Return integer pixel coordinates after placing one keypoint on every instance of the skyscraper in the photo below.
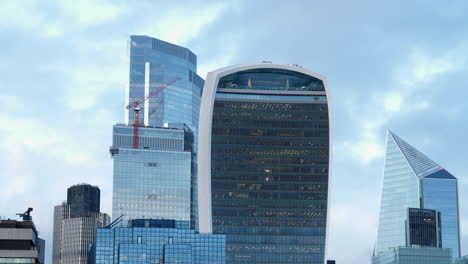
(154, 180)
(412, 180)
(263, 164)
(83, 200)
(154, 62)
(170, 116)
(75, 224)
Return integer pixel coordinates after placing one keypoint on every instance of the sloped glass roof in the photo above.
(421, 164)
(440, 174)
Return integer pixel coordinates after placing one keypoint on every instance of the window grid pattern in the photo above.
(402, 255)
(153, 182)
(270, 178)
(77, 233)
(400, 191)
(178, 102)
(442, 195)
(158, 245)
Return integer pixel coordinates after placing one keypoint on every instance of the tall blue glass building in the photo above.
(264, 159)
(156, 241)
(154, 180)
(412, 180)
(153, 63)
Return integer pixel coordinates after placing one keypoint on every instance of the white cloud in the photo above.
(393, 102)
(423, 68)
(87, 83)
(214, 64)
(18, 14)
(10, 101)
(21, 135)
(25, 15)
(91, 12)
(364, 151)
(28, 15)
(416, 75)
(352, 222)
(368, 220)
(53, 30)
(180, 25)
(421, 105)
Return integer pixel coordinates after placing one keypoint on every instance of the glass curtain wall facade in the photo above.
(154, 63)
(152, 181)
(412, 180)
(169, 245)
(423, 227)
(406, 255)
(269, 163)
(440, 192)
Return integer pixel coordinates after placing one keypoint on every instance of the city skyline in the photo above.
(391, 73)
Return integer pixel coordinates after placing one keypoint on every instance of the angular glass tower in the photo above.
(264, 158)
(154, 180)
(412, 180)
(153, 63)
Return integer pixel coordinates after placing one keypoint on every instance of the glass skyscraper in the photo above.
(154, 180)
(153, 63)
(264, 159)
(412, 180)
(157, 241)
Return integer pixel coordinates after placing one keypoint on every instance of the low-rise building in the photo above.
(20, 242)
(414, 255)
(157, 241)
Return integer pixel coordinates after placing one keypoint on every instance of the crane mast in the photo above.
(135, 104)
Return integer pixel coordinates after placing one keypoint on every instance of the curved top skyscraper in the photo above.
(413, 181)
(264, 162)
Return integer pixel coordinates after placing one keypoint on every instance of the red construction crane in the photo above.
(136, 119)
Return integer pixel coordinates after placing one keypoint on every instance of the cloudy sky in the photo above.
(390, 64)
